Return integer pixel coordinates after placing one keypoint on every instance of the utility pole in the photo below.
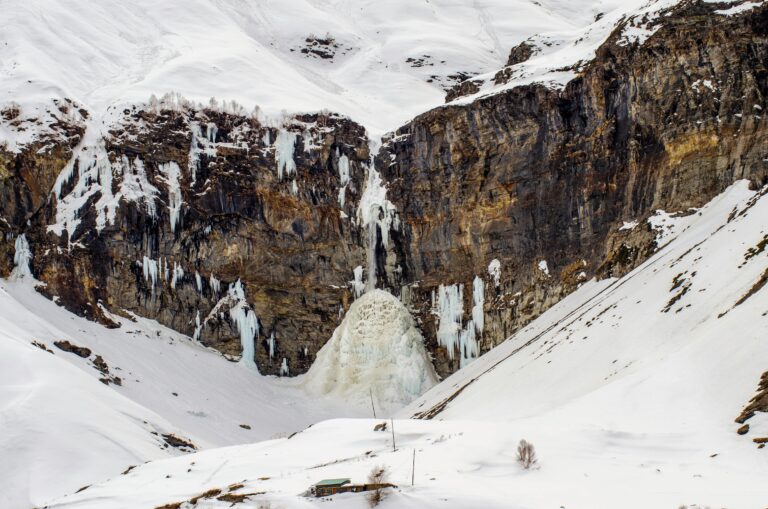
(413, 467)
(370, 391)
(392, 423)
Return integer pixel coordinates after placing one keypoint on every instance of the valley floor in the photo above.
(628, 389)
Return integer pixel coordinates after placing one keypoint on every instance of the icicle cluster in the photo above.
(200, 144)
(448, 305)
(343, 177)
(21, 258)
(215, 284)
(284, 148)
(172, 174)
(246, 322)
(136, 187)
(178, 273)
(150, 268)
(284, 371)
(357, 285)
(375, 210)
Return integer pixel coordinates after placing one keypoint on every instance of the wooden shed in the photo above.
(328, 487)
(331, 487)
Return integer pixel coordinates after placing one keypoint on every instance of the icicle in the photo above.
(265, 140)
(294, 188)
(284, 368)
(271, 343)
(284, 147)
(200, 144)
(246, 321)
(215, 284)
(166, 271)
(198, 282)
(478, 299)
(357, 285)
(198, 327)
(450, 311)
(211, 131)
(21, 258)
(178, 273)
(343, 169)
(172, 174)
(371, 283)
(150, 269)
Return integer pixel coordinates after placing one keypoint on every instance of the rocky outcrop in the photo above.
(536, 175)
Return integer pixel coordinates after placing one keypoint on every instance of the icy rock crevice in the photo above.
(377, 350)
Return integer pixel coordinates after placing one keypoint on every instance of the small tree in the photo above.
(526, 454)
(378, 476)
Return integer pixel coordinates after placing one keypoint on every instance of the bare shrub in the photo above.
(526, 454)
(377, 477)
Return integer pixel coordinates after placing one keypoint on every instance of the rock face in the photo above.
(504, 205)
(536, 175)
(196, 204)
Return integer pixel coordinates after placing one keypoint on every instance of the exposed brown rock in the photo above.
(759, 403)
(178, 442)
(80, 351)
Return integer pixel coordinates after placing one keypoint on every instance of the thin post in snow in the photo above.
(413, 467)
(370, 391)
(392, 423)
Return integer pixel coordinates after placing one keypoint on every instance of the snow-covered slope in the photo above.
(628, 389)
(55, 413)
(378, 62)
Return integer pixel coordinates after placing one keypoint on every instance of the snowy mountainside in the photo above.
(55, 412)
(695, 308)
(626, 386)
(378, 62)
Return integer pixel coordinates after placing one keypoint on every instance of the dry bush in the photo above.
(378, 475)
(526, 454)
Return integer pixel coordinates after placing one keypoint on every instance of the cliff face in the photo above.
(525, 191)
(199, 200)
(534, 174)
